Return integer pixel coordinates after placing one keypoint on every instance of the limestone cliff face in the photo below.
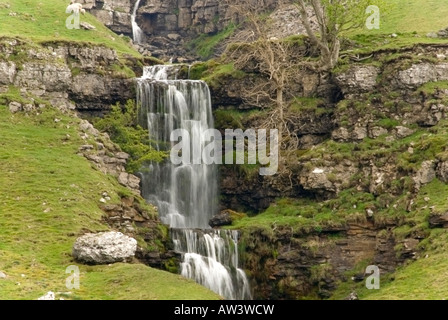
(365, 101)
(67, 75)
(159, 18)
(169, 24)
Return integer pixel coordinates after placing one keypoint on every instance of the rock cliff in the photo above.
(65, 75)
(375, 129)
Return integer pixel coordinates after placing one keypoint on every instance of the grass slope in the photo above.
(419, 16)
(44, 21)
(48, 195)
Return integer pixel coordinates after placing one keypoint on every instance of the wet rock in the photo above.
(221, 219)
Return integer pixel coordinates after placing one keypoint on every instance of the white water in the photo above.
(187, 195)
(137, 33)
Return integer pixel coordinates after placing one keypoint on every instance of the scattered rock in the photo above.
(359, 133)
(86, 26)
(15, 107)
(87, 127)
(376, 132)
(122, 155)
(425, 175)
(48, 296)
(442, 171)
(438, 220)
(340, 134)
(174, 36)
(129, 180)
(86, 147)
(352, 296)
(403, 132)
(104, 248)
(3, 275)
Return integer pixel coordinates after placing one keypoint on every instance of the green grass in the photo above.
(44, 21)
(307, 215)
(421, 16)
(48, 196)
(205, 44)
(430, 88)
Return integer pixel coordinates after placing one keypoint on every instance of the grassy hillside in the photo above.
(43, 21)
(421, 16)
(48, 195)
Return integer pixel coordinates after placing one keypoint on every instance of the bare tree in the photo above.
(278, 61)
(333, 17)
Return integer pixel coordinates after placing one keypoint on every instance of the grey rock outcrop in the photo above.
(67, 75)
(7, 72)
(419, 74)
(104, 248)
(425, 174)
(359, 78)
(328, 179)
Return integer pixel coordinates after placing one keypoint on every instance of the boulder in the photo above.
(15, 107)
(104, 248)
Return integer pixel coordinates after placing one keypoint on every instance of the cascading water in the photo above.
(137, 33)
(187, 194)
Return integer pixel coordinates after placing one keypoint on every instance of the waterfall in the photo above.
(137, 33)
(187, 194)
